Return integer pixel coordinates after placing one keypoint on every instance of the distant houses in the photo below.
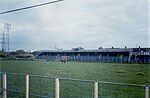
(21, 55)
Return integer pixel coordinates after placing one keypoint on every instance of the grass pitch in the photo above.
(105, 72)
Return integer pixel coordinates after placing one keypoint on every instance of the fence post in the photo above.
(27, 86)
(95, 89)
(4, 85)
(147, 92)
(57, 88)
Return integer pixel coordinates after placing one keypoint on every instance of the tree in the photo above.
(2, 54)
(20, 52)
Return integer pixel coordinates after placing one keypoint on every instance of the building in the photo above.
(123, 55)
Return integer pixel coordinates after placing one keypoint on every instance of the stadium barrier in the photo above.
(110, 59)
(35, 86)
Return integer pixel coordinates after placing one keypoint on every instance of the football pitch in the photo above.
(104, 72)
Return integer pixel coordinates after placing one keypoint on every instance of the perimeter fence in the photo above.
(15, 85)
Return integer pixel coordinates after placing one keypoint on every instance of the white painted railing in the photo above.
(58, 81)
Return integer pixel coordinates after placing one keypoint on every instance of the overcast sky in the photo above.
(77, 23)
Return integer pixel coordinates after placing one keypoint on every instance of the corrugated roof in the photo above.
(94, 50)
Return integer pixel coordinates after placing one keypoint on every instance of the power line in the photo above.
(33, 6)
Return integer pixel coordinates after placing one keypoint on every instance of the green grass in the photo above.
(105, 72)
(109, 72)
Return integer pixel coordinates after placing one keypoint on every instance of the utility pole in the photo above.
(7, 28)
(3, 42)
(5, 38)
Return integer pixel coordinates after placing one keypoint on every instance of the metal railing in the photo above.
(34, 86)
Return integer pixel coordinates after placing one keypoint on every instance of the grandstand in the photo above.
(122, 55)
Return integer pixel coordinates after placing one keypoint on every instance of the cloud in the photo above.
(73, 23)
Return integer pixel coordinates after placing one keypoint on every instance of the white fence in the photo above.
(34, 86)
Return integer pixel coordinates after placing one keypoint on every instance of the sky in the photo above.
(77, 23)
